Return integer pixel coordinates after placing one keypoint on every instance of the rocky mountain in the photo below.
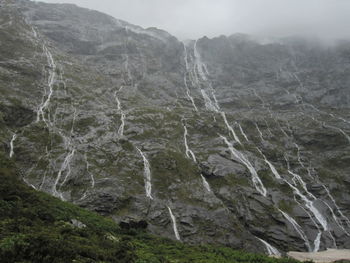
(229, 140)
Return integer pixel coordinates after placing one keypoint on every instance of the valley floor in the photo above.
(329, 255)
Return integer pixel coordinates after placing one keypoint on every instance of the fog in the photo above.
(196, 18)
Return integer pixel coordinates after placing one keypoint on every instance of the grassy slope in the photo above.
(34, 227)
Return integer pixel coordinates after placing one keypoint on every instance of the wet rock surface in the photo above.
(245, 142)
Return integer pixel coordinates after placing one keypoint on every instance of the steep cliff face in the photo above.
(225, 140)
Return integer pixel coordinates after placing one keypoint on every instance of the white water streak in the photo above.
(14, 136)
(185, 78)
(260, 133)
(338, 129)
(51, 81)
(311, 207)
(205, 183)
(272, 251)
(173, 219)
(122, 115)
(230, 128)
(119, 108)
(65, 165)
(188, 152)
(298, 228)
(243, 133)
(339, 221)
(272, 167)
(255, 177)
(147, 175)
(122, 125)
(298, 155)
(201, 69)
(317, 242)
(88, 171)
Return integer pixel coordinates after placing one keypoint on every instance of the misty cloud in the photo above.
(196, 18)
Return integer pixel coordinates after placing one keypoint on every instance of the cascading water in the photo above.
(189, 153)
(205, 183)
(51, 80)
(14, 136)
(122, 125)
(201, 70)
(243, 133)
(272, 251)
(65, 166)
(230, 128)
(260, 133)
(259, 186)
(297, 228)
(272, 167)
(173, 220)
(147, 175)
(92, 178)
(185, 78)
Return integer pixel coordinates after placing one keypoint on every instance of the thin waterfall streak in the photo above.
(271, 166)
(14, 137)
(173, 219)
(231, 130)
(297, 228)
(188, 152)
(51, 80)
(185, 78)
(259, 186)
(259, 131)
(88, 171)
(243, 133)
(205, 184)
(64, 167)
(347, 220)
(272, 251)
(147, 175)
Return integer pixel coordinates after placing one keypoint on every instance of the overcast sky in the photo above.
(196, 18)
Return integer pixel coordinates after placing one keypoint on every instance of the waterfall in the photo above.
(272, 251)
(201, 70)
(51, 80)
(147, 175)
(298, 155)
(346, 219)
(88, 171)
(243, 133)
(122, 125)
(65, 165)
(189, 153)
(297, 228)
(230, 128)
(205, 183)
(272, 167)
(309, 204)
(255, 177)
(337, 129)
(208, 102)
(122, 115)
(14, 136)
(185, 78)
(173, 219)
(119, 108)
(260, 133)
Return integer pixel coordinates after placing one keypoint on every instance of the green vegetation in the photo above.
(35, 227)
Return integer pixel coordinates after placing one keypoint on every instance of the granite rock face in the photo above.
(227, 140)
